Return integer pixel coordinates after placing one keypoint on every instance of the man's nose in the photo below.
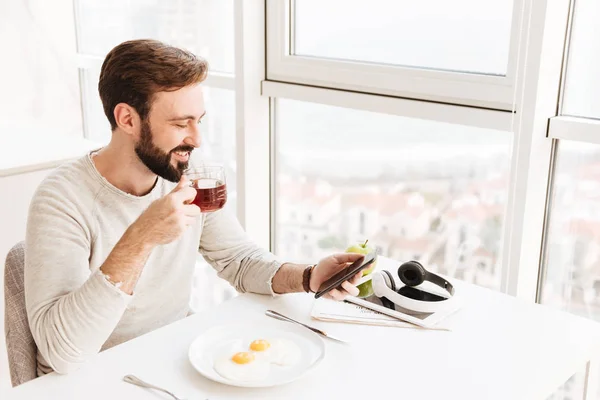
(194, 138)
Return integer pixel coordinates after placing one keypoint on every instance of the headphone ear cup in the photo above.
(382, 282)
(412, 273)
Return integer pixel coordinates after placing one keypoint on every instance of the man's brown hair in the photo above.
(135, 70)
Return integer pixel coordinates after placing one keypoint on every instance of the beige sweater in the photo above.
(75, 219)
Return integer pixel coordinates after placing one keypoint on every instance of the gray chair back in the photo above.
(20, 346)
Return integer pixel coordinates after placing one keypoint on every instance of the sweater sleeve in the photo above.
(71, 310)
(226, 246)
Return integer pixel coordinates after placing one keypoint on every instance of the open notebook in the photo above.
(370, 311)
(331, 310)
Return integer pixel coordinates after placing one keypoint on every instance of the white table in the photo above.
(499, 348)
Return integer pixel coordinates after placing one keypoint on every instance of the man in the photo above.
(112, 237)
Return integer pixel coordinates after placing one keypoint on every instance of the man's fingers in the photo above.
(350, 288)
(356, 278)
(336, 294)
(183, 182)
(347, 257)
(186, 194)
(183, 191)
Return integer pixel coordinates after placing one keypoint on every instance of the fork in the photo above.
(134, 380)
(281, 317)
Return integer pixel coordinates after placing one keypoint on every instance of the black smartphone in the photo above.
(419, 294)
(348, 272)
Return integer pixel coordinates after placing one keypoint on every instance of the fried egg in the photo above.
(282, 352)
(242, 366)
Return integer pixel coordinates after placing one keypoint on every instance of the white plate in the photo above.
(218, 340)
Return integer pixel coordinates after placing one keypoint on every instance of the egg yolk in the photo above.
(243, 357)
(259, 345)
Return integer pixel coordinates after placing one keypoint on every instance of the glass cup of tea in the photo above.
(210, 185)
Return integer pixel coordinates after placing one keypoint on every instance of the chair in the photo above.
(20, 346)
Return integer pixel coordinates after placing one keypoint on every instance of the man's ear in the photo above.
(127, 118)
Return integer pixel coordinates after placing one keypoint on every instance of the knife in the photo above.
(281, 317)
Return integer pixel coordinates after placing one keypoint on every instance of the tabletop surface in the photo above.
(499, 347)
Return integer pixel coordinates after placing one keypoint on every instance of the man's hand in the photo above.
(328, 267)
(163, 222)
(168, 218)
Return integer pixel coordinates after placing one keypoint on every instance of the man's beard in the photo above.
(157, 160)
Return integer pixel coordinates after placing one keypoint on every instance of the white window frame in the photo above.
(579, 129)
(575, 128)
(479, 90)
(449, 113)
(252, 122)
(534, 92)
(572, 128)
(542, 66)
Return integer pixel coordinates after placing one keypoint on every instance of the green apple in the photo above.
(362, 248)
(365, 288)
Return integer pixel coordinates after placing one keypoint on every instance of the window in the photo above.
(204, 27)
(40, 86)
(572, 263)
(218, 137)
(582, 88)
(96, 123)
(466, 35)
(570, 278)
(335, 163)
(459, 52)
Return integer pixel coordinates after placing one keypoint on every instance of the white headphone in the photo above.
(412, 273)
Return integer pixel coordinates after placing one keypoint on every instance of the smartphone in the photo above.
(418, 294)
(348, 272)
